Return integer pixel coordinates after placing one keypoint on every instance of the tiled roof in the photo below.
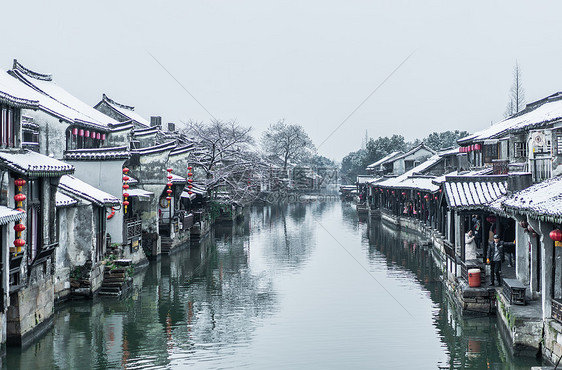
(388, 158)
(86, 191)
(140, 193)
(156, 148)
(31, 163)
(474, 193)
(121, 152)
(8, 215)
(125, 110)
(178, 179)
(537, 114)
(542, 200)
(63, 200)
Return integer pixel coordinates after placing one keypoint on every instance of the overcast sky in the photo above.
(309, 62)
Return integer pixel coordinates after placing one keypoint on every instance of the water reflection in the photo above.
(470, 342)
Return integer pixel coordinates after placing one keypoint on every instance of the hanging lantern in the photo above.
(102, 137)
(189, 186)
(404, 193)
(491, 219)
(477, 147)
(190, 180)
(125, 170)
(74, 131)
(170, 177)
(393, 192)
(125, 186)
(169, 184)
(81, 132)
(436, 197)
(556, 235)
(98, 136)
(19, 227)
(189, 192)
(169, 191)
(189, 174)
(126, 203)
(19, 183)
(168, 199)
(19, 197)
(126, 195)
(523, 224)
(426, 197)
(19, 243)
(126, 178)
(87, 133)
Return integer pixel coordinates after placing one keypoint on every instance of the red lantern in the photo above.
(556, 235)
(126, 195)
(81, 132)
(126, 178)
(20, 182)
(477, 147)
(189, 174)
(98, 136)
(189, 168)
(19, 227)
(103, 136)
(19, 197)
(168, 198)
(426, 196)
(436, 197)
(491, 219)
(125, 186)
(189, 192)
(169, 191)
(189, 186)
(169, 184)
(126, 203)
(393, 192)
(74, 131)
(19, 243)
(404, 193)
(169, 170)
(87, 133)
(125, 170)
(418, 193)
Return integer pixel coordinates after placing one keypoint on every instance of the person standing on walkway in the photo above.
(469, 246)
(496, 257)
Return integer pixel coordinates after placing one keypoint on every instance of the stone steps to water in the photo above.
(165, 244)
(114, 279)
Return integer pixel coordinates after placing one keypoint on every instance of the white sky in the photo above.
(310, 62)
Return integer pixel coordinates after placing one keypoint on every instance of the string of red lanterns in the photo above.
(19, 242)
(189, 180)
(169, 191)
(126, 179)
(88, 133)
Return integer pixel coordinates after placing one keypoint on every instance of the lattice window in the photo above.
(520, 149)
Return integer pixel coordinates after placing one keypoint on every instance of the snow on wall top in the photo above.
(86, 191)
(121, 152)
(541, 200)
(542, 112)
(34, 164)
(395, 181)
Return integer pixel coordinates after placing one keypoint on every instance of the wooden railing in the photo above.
(134, 229)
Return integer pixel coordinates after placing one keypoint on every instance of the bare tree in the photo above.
(289, 143)
(516, 93)
(223, 152)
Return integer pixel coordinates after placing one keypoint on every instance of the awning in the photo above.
(185, 194)
(140, 193)
(8, 215)
(63, 200)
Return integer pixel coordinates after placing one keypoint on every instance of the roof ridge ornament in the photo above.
(111, 101)
(36, 75)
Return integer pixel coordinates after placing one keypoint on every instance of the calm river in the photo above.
(302, 286)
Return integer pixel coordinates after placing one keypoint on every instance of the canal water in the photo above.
(300, 286)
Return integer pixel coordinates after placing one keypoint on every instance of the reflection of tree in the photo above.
(471, 342)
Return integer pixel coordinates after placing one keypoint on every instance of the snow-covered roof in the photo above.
(541, 200)
(8, 215)
(146, 131)
(63, 200)
(385, 159)
(30, 163)
(413, 150)
(121, 152)
(362, 179)
(176, 179)
(539, 113)
(125, 110)
(420, 183)
(395, 181)
(185, 194)
(198, 189)
(182, 149)
(474, 192)
(86, 191)
(14, 93)
(156, 148)
(140, 193)
(76, 109)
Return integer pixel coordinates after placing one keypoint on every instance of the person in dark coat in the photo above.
(496, 257)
